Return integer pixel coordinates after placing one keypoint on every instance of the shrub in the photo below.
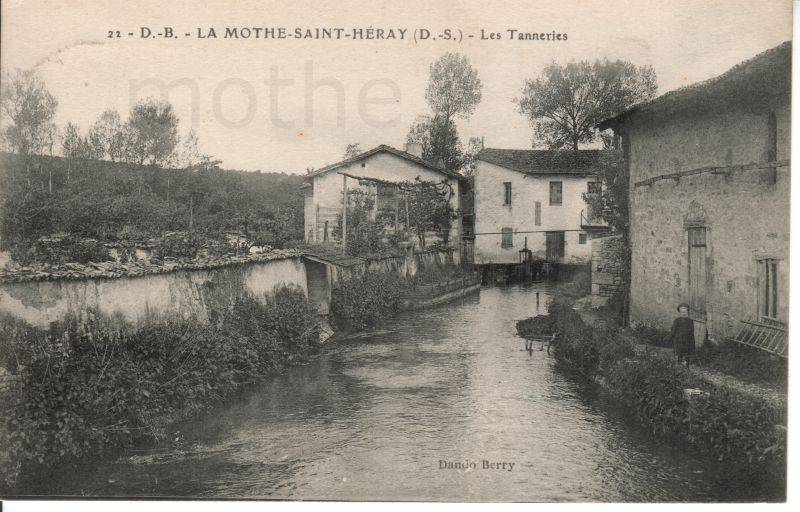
(68, 248)
(179, 244)
(652, 335)
(91, 383)
(366, 299)
(725, 423)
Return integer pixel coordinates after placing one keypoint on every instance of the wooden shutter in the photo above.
(555, 192)
(537, 213)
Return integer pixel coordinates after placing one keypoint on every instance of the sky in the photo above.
(293, 104)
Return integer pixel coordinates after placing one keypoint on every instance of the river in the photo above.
(376, 416)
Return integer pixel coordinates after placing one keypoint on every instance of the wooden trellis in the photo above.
(766, 334)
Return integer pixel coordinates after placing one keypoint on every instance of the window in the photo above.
(768, 287)
(582, 238)
(508, 238)
(537, 213)
(507, 193)
(593, 187)
(555, 193)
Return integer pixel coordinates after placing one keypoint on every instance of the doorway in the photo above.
(554, 246)
(697, 272)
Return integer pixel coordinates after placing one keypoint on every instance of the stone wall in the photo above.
(492, 215)
(745, 215)
(607, 271)
(186, 292)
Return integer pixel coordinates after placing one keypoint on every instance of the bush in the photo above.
(67, 249)
(90, 384)
(729, 425)
(365, 300)
(653, 336)
(179, 244)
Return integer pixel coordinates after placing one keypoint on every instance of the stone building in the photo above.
(535, 197)
(381, 168)
(709, 198)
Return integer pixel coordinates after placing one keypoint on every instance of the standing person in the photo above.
(682, 334)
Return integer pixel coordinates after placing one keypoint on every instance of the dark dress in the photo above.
(682, 336)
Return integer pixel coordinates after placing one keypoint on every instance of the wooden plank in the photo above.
(712, 169)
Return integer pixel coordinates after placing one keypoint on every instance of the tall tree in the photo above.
(439, 141)
(106, 136)
(30, 108)
(454, 90)
(152, 132)
(71, 141)
(565, 103)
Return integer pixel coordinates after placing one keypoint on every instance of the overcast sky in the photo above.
(222, 93)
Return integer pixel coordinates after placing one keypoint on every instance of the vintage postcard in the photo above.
(425, 251)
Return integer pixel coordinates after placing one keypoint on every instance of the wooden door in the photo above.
(697, 273)
(554, 246)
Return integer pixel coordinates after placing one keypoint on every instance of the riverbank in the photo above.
(383, 407)
(726, 422)
(92, 384)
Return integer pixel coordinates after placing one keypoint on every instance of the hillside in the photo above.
(109, 201)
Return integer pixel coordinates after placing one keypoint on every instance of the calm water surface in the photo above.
(374, 415)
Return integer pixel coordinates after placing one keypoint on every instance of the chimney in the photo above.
(415, 148)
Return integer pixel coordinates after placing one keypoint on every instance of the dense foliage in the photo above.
(90, 384)
(566, 102)
(366, 299)
(729, 425)
(106, 201)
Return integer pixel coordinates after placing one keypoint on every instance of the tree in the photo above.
(189, 153)
(71, 141)
(428, 208)
(151, 132)
(454, 89)
(474, 146)
(566, 102)
(106, 136)
(352, 150)
(30, 108)
(440, 142)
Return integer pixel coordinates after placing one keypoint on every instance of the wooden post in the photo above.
(408, 217)
(397, 213)
(344, 216)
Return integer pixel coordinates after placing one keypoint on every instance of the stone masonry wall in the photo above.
(607, 271)
(186, 292)
(746, 216)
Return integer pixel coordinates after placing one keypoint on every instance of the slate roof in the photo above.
(756, 81)
(386, 149)
(544, 162)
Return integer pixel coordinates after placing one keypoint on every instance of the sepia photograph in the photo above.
(423, 251)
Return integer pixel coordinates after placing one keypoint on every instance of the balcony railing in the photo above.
(590, 221)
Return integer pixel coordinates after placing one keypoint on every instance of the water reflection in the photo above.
(374, 415)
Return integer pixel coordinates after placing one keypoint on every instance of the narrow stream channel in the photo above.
(374, 416)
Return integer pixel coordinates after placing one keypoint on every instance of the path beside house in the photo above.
(777, 399)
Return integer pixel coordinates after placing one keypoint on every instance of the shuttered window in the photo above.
(508, 238)
(507, 193)
(768, 287)
(555, 192)
(537, 213)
